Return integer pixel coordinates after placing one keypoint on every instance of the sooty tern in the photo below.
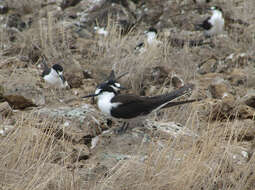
(54, 76)
(151, 40)
(129, 106)
(214, 24)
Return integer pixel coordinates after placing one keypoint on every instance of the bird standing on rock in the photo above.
(214, 24)
(54, 76)
(129, 106)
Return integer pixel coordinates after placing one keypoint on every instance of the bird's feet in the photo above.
(121, 130)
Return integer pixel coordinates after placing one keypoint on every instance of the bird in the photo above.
(129, 106)
(101, 31)
(214, 24)
(54, 76)
(151, 40)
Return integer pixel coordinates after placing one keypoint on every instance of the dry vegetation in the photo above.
(216, 155)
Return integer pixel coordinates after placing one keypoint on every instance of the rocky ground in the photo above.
(54, 139)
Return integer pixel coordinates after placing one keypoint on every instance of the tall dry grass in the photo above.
(28, 157)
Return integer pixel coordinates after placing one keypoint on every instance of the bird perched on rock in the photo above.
(214, 24)
(54, 76)
(129, 106)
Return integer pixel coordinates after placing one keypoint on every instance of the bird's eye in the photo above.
(116, 84)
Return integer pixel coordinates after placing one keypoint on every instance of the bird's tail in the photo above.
(174, 94)
(164, 101)
(171, 104)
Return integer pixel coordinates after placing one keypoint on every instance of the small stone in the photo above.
(245, 154)
(218, 90)
(74, 81)
(246, 112)
(69, 3)
(87, 74)
(237, 77)
(249, 99)
(4, 129)
(177, 81)
(209, 66)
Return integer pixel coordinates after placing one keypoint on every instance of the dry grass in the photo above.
(28, 155)
(27, 160)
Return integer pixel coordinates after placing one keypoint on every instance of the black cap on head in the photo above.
(152, 29)
(57, 68)
(216, 8)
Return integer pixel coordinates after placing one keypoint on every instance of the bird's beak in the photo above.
(62, 78)
(90, 95)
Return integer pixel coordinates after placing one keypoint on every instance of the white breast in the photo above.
(152, 38)
(104, 102)
(54, 80)
(217, 22)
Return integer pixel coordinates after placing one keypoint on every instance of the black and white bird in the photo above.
(54, 76)
(214, 24)
(129, 106)
(151, 40)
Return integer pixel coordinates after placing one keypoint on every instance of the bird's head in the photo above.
(58, 68)
(216, 8)
(111, 85)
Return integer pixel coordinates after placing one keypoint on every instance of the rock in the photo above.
(87, 74)
(169, 128)
(81, 152)
(15, 21)
(84, 121)
(1, 93)
(5, 109)
(73, 80)
(209, 66)
(245, 112)
(157, 75)
(99, 14)
(177, 82)
(20, 95)
(237, 77)
(219, 89)
(68, 3)
(249, 99)
(226, 108)
(19, 102)
(239, 154)
(238, 59)
(5, 129)
(215, 109)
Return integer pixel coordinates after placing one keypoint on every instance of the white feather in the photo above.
(152, 38)
(217, 22)
(104, 102)
(54, 79)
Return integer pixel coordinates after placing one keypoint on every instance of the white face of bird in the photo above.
(216, 9)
